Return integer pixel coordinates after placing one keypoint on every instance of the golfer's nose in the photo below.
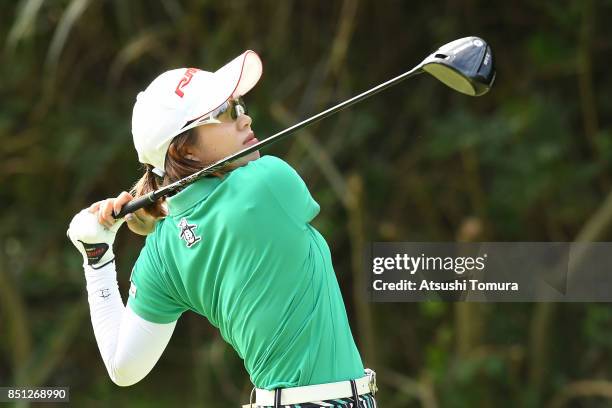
(243, 121)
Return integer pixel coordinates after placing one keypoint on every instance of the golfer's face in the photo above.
(219, 140)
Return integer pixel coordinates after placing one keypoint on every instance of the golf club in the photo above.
(465, 65)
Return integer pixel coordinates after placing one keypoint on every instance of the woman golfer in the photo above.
(236, 247)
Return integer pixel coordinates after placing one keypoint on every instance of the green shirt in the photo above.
(241, 252)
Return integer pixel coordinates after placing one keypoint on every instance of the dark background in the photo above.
(530, 161)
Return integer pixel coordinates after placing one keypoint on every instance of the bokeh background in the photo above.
(530, 161)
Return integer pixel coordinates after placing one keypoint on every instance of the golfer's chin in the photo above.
(243, 161)
(249, 157)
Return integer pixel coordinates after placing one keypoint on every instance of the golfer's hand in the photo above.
(93, 240)
(138, 222)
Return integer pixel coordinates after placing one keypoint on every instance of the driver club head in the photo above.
(465, 65)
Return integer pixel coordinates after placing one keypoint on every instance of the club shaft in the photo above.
(154, 196)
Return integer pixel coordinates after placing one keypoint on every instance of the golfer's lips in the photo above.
(250, 139)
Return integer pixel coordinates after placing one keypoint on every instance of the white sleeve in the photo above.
(130, 345)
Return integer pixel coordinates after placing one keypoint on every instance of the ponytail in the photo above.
(148, 183)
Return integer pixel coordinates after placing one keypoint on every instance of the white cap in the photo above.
(181, 95)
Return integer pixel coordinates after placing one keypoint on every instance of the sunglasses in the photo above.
(236, 107)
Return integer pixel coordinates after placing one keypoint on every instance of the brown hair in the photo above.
(177, 166)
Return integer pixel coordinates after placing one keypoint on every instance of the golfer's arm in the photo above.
(130, 346)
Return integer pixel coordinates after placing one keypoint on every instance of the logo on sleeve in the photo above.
(104, 293)
(187, 233)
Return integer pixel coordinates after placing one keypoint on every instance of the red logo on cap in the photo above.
(184, 81)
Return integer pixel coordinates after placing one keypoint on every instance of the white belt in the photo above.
(318, 392)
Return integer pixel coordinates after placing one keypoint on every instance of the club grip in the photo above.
(135, 205)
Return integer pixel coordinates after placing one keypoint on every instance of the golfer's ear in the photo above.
(189, 153)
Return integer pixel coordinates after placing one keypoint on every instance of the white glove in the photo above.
(92, 239)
